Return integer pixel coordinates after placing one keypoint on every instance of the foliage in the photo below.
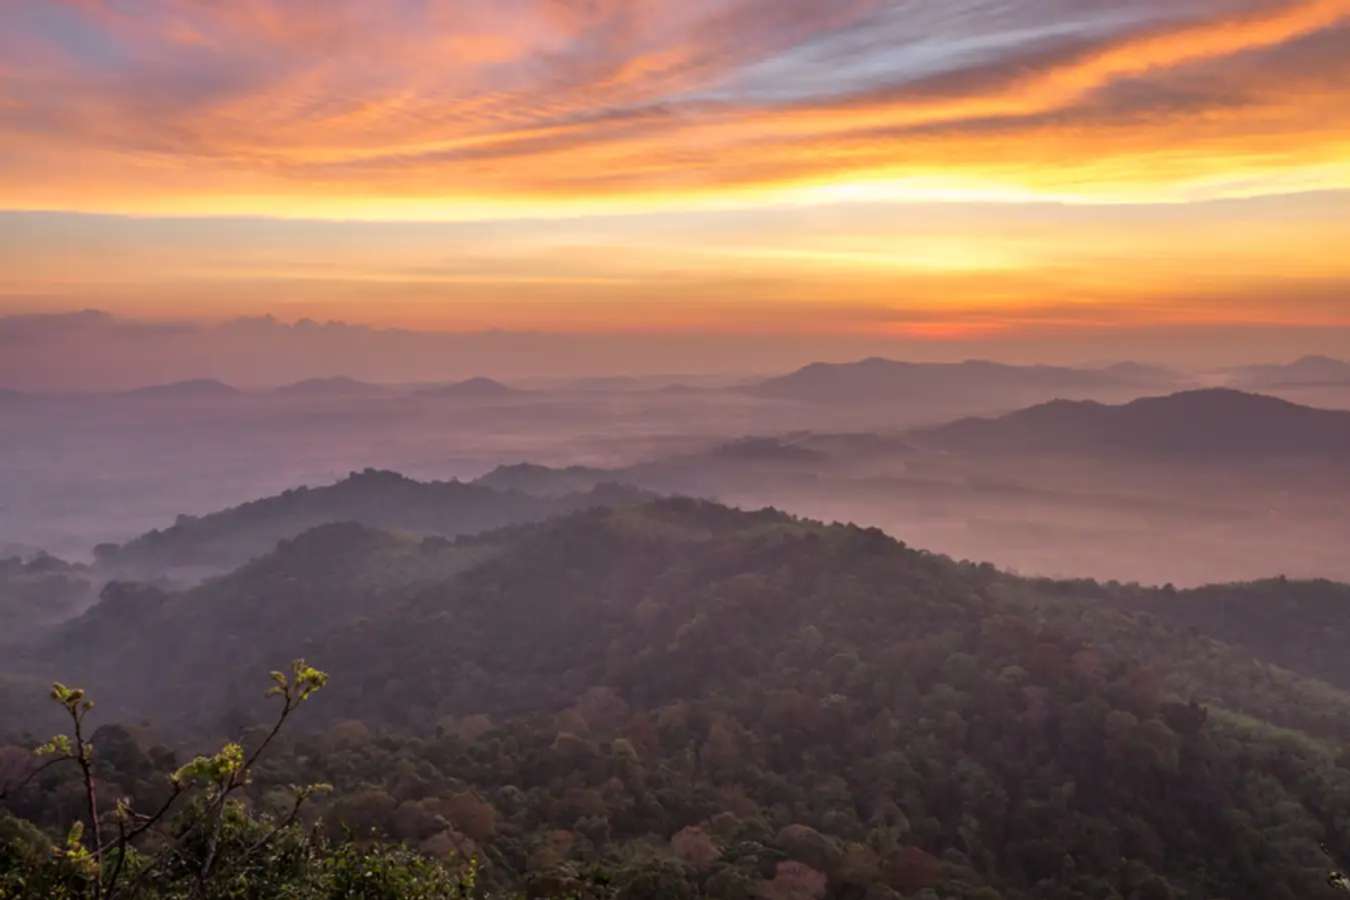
(1300, 625)
(199, 841)
(683, 700)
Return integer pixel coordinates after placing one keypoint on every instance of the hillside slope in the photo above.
(1300, 625)
(222, 540)
(735, 700)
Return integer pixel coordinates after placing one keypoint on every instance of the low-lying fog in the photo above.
(80, 469)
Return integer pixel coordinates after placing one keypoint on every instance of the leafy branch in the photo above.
(105, 866)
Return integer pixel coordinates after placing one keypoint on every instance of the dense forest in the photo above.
(677, 699)
(1301, 625)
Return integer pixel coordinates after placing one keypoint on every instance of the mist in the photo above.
(876, 442)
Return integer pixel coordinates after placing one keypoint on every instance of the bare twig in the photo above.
(28, 779)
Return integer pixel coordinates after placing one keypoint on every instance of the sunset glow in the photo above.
(873, 166)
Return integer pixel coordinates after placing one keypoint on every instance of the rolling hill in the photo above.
(1215, 422)
(470, 389)
(709, 702)
(230, 537)
(192, 389)
(737, 463)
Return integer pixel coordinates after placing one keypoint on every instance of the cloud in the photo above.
(541, 107)
(932, 169)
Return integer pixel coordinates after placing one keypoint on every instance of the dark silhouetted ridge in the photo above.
(192, 389)
(1217, 421)
(878, 380)
(371, 497)
(469, 389)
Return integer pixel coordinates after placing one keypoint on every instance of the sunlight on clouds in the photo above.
(636, 149)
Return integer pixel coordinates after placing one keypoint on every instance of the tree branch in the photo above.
(27, 779)
(90, 793)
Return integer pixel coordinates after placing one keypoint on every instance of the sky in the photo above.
(1065, 173)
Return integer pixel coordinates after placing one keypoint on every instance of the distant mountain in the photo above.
(712, 472)
(225, 539)
(853, 447)
(1217, 422)
(529, 478)
(193, 389)
(877, 380)
(469, 389)
(1308, 371)
(337, 386)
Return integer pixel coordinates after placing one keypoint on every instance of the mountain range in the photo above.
(1216, 423)
(877, 380)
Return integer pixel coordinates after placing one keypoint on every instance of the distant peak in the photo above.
(478, 386)
(1213, 394)
(519, 468)
(191, 386)
(1201, 421)
(372, 474)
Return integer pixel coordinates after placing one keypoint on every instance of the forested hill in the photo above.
(706, 702)
(1301, 625)
(223, 540)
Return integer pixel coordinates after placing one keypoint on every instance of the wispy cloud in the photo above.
(858, 167)
(450, 109)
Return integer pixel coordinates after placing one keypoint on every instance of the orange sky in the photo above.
(881, 167)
